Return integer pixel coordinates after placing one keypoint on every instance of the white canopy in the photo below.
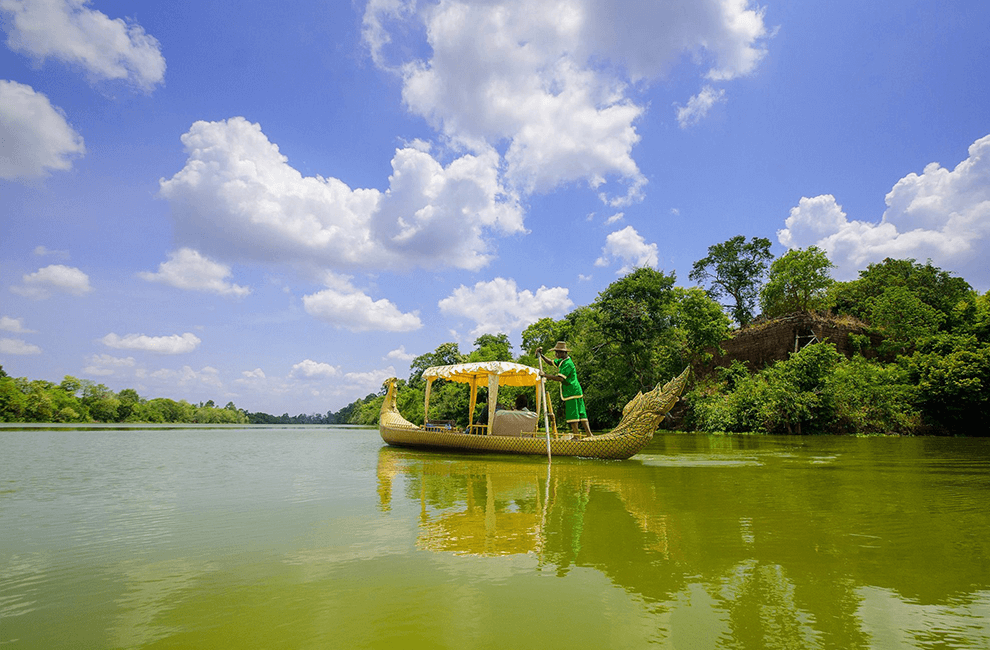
(508, 374)
(492, 373)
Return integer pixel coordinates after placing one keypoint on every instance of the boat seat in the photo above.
(513, 423)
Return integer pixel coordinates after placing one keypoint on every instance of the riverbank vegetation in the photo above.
(909, 354)
(914, 358)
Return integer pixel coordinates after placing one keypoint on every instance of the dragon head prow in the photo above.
(389, 414)
(646, 410)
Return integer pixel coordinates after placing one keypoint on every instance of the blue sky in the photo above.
(280, 204)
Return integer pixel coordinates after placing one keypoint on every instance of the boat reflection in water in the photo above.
(492, 507)
(753, 549)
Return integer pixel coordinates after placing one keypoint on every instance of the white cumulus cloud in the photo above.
(15, 325)
(552, 80)
(18, 346)
(940, 214)
(698, 106)
(34, 135)
(55, 278)
(73, 32)
(42, 251)
(187, 376)
(188, 269)
(174, 344)
(346, 307)
(107, 364)
(237, 198)
(309, 369)
(499, 306)
(400, 354)
(629, 247)
(369, 381)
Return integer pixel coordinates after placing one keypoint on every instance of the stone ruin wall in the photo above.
(765, 343)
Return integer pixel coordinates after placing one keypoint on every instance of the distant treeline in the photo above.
(82, 400)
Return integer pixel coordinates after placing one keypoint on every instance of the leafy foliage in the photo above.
(492, 347)
(900, 314)
(952, 375)
(445, 355)
(814, 391)
(931, 285)
(75, 400)
(735, 268)
(797, 282)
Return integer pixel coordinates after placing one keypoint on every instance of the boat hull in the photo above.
(605, 446)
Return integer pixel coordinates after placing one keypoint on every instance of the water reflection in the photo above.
(770, 547)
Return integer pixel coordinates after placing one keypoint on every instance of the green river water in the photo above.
(321, 537)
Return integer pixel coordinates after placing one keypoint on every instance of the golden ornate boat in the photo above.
(515, 432)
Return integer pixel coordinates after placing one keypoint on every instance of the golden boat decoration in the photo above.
(517, 432)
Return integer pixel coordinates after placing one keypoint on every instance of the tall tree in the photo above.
(798, 281)
(492, 347)
(936, 288)
(621, 344)
(735, 268)
(701, 323)
(543, 333)
(445, 355)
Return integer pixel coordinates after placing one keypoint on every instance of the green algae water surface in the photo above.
(317, 537)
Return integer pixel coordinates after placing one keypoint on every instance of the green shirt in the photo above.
(569, 388)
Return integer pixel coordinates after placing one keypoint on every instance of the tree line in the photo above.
(84, 401)
(921, 365)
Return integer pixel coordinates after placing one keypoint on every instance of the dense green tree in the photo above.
(735, 268)
(701, 324)
(129, 398)
(634, 310)
(873, 398)
(13, 401)
(798, 281)
(492, 347)
(544, 333)
(902, 316)
(931, 285)
(71, 385)
(952, 376)
(621, 344)
(799, 400)
(101, 402)
(444, 355)
(39, 406)
(791, 396)
(978, 320)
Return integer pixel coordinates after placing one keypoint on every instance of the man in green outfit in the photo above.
(570, 389)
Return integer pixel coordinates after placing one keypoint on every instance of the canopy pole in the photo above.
(426, 404)
(546, 411)
(539, 405)
(492, 400)
(473, 402)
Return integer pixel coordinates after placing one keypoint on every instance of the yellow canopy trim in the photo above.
(509, 374)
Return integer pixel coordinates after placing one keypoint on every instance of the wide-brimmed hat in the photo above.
(561, 347)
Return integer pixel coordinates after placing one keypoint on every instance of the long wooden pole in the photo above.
(546, 407)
